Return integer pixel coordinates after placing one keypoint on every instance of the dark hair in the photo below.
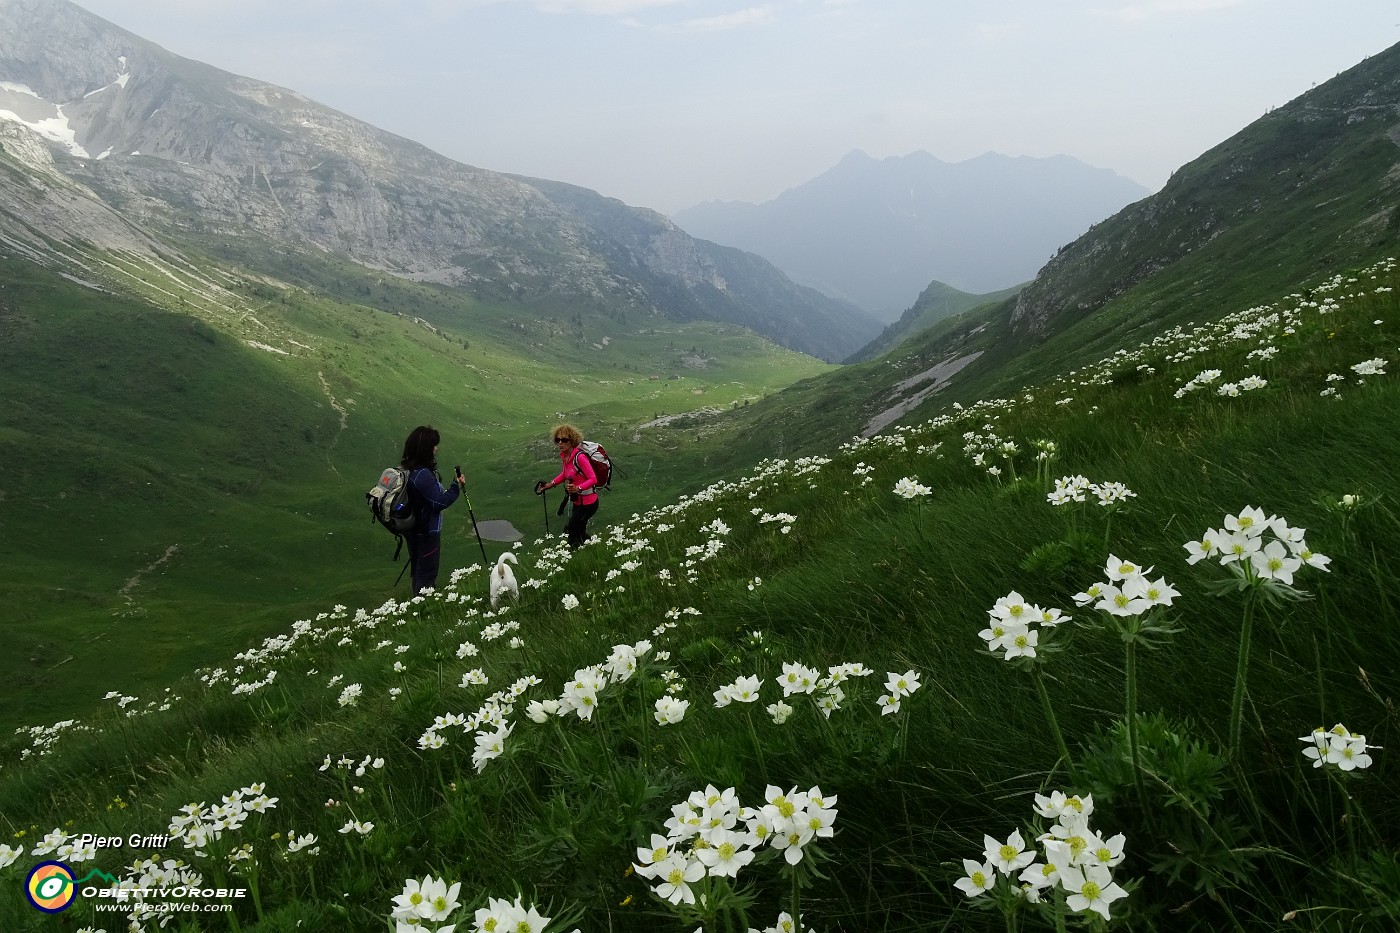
(418, 449)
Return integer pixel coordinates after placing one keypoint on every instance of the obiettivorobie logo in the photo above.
(51, 888)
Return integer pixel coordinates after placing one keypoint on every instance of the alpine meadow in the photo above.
(1073, 609)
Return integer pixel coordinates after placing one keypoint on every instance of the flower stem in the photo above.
(1241, 672)
(1054, 723)
(796, 899)
(1131, 675)
(757, 745)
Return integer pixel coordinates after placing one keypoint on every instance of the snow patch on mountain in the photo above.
(41, 116)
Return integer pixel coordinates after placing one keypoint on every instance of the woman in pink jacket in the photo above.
(578, 479)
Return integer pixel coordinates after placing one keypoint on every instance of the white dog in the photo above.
(503, 579)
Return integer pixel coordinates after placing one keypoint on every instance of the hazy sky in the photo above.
(667, 103)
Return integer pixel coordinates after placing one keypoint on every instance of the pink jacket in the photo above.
(578, 469)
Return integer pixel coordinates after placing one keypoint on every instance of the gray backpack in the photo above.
(389, 504)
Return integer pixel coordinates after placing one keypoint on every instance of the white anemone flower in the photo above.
(1090, 887)
(978, 878)
(670, 710)
(677, 872)
(1010, 856)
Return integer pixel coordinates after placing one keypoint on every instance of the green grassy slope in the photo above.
(181, 483)
(823, 558)
(936, 303)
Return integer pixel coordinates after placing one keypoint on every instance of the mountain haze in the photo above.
(876, 231)
(186, 151)
(1310, 188)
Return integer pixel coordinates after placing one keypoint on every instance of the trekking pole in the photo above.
(544, 500)
(484, 559)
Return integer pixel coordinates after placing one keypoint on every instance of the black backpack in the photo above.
(389, 504)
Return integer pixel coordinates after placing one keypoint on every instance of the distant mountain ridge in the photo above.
(1307, 190)
(876, 231)
(936, 303)
(1309, 186)
(184, 152)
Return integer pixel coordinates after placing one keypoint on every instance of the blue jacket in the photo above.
(429, 499)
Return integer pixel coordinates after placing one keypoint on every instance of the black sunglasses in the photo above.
(561, 440)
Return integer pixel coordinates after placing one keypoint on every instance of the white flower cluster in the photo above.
(1240, 545)
(1128, 591)
(43, 738)
(670, 710)
(1071, 489)
(1337, 746)
(490, 723)
(197, 825)
(580, 695)
(784, 518)
(303, 843)
(500, 914)
(348, 764)
(1375, 367)
(429, 900)
(148, 874)
(1077, 859)
(711, 834)
(798, 679)
(909, 488)
(59, 843)
(1247, 384)
(899, 687)
(1010, 629)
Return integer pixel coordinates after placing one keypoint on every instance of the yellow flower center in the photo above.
(1091, 890)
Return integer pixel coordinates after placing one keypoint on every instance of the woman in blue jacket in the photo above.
(429, 499)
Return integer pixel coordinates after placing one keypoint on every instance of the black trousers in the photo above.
(425, 554)
(577, 526)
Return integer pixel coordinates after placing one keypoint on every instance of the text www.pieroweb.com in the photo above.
(165, 907)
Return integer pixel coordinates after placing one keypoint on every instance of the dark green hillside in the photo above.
(184, 488)
(935, 303)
